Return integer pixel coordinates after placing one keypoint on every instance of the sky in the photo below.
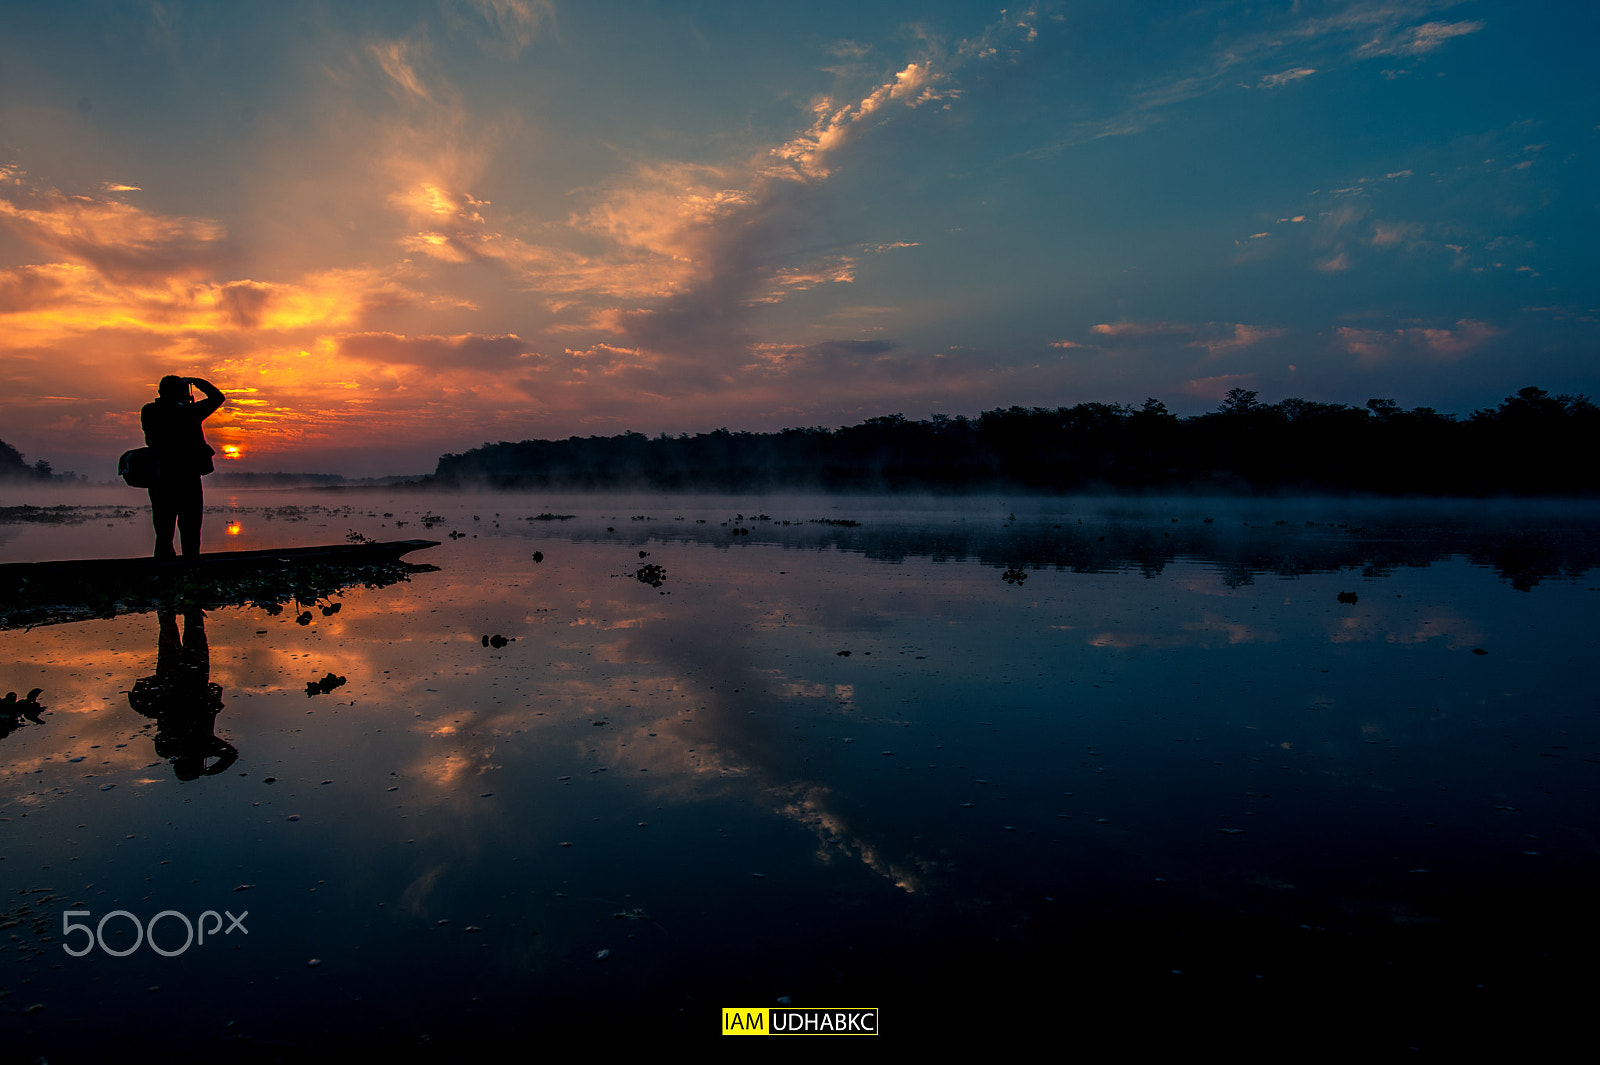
(391, 230)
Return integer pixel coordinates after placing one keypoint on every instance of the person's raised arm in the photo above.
(214, 397)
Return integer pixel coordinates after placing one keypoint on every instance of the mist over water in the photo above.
(1287, 756)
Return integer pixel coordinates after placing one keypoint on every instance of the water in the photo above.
(967, 755)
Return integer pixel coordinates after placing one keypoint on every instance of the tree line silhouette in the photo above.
(1530, 444)
(13, 467)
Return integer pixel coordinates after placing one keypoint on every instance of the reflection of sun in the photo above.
(234, 528)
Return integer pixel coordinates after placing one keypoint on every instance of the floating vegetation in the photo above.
(1014, 575)
(324, 686)
(843, 523)
(651, 574)
(538, 556)
(1348, 597)
(547, 516)
(357, 538)
(61, 515)
(13, 711)
(498, 641)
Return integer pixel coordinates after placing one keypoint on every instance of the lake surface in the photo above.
(1244, 772)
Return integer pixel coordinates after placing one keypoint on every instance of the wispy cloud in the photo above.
(116, 239)
(1276, 50)
(1373, 346)
(1415, 40)
(1272, 81)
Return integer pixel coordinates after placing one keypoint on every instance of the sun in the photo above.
(231, 451)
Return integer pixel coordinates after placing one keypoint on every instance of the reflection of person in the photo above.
(172, 430)
(182, 699)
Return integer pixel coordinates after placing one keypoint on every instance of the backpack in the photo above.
(140, 468)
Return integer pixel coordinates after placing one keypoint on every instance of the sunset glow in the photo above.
(392, 231)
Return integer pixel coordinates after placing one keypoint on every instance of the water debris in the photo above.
(547, 516)
(635, 914)
(1479, 651)
(12, 711)
(1348, 597)
(1231, 831)
(842, 654)
(538, 556)
(651, 574)
(313, 963)
(843, 523)
(1014, 575)
(498, 641)
(602, 955)
(324, 686)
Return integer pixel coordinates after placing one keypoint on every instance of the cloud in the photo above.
(1272, 81)
(1217, 387)
(1373, 346)
(1236, 337)
(1139, 329)
(513, 24)
(116, 239)
(398, 60)
(444, 353)
(1388, 234)
(1415, 40)
(1279, 48)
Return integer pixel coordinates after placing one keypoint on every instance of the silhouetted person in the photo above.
(172, 430)
(182, 699)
